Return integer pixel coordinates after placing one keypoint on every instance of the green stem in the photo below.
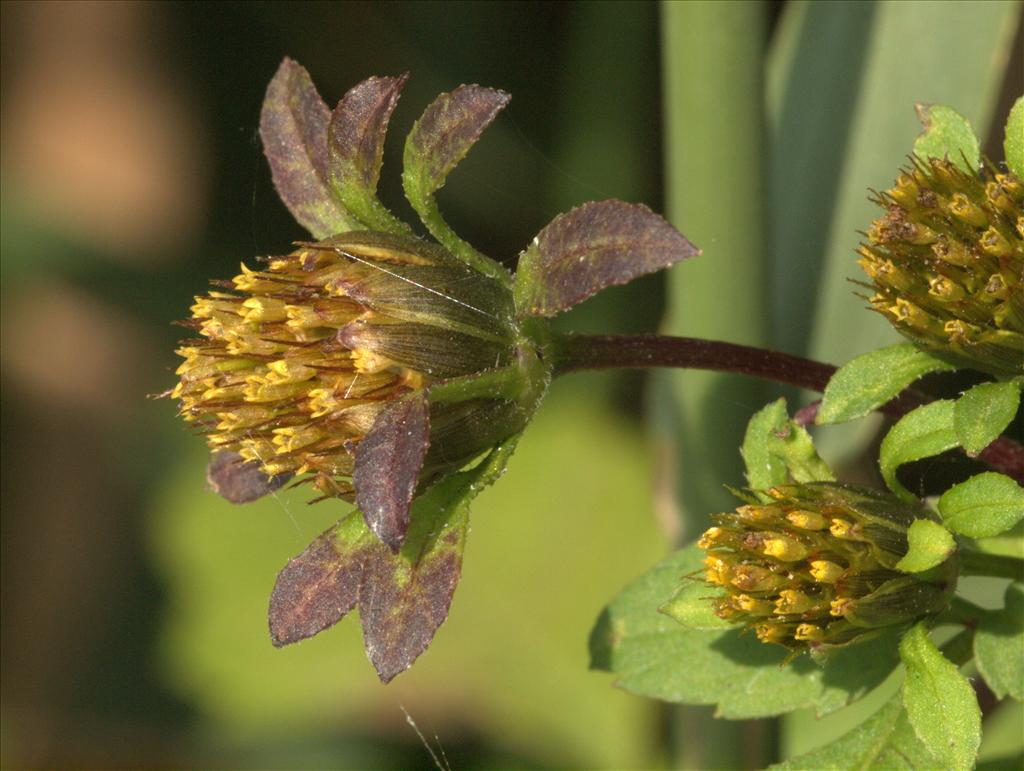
(976, 563)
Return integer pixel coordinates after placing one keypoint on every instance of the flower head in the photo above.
(947, 263)
(816, 566)
(294, 364)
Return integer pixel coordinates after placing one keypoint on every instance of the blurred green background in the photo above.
(134, 600)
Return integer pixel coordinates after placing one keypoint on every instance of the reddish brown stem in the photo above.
(582, 352)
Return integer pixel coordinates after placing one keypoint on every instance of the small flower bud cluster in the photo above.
(947, 264)
(816, 565)
(294, 364)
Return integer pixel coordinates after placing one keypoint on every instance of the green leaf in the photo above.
(356, 149)
(293, 127)
(947, 134)
(594, 246)
(984, 412)
(441, 137)
(999, 646)
(1013, 142)
(652, 655)
(929, 544)
(775, 450)
(886, 740)
(985, 505)
(692, 605)
(939, 701)
(925, 432)
(870, 380)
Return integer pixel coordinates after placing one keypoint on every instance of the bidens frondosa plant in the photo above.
(381, 368)
(817, 565)
(855, 577)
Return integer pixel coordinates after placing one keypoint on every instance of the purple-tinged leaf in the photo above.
(388, 461)
(293, 127)
(442, 136)
(596, 245)
(317, 588)
(238, 480)
(405, 597)
(356, 149)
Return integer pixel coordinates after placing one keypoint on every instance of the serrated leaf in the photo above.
(775, 450)
(388, 461)
(293, 127)
(592, 247)
(984, 412)
(925, 432)
(928, 544)
(947, 134)
(999, 646)
(238, 481)
(317, 588)
(985, 505)
(441, 137)
(402, 597)
(886, 740)
(1013, 142)
(868, 381)
(356, 149)
(939, 701)
(652, 655)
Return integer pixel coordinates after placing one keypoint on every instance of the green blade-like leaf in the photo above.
(947, 134)
(985, 505)
(693, 606)
(999, 646)
(356, 150)
(1013, 142)
(441, 137)
(984, 412)
(939, 701)
(594, 246)
(884, 741)
(925, 432)
(293, 127)
(652, 655)
(929, 544)
(870, 380)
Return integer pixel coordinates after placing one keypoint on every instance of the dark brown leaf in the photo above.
(293, 126)
(442, 136)
(317, 588)
(238, 481)
(388, 461)
(594, 246)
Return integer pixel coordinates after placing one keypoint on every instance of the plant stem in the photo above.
(977, 563)
(582, 352)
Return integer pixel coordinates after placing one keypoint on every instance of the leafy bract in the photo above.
(293, 127)
(776, 450)
(885, 740)
(999, 646)
(402, 597)
(984, 412)
(594, 246)
(441, 137)
(929, 544)
(868, 381)
(652, 655)
(939, 701)
(925, 432)
(985, 505)
(947, 134)
(238, 481)
(356, 149)
(1013, 142)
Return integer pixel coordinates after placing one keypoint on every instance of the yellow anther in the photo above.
(839, 605)
(770, 632)
(264, 309)
(844, 529)
(809, 632)
(826, 572)
(752, 605)
(783, 548)
(793, 601)
(752, 578)
(808, 520)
